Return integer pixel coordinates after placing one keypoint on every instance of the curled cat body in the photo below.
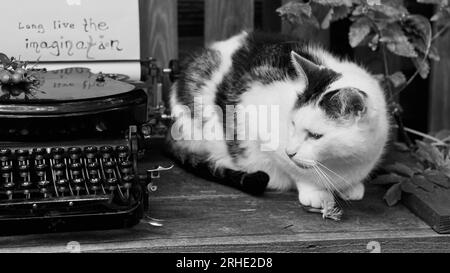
(257, 103)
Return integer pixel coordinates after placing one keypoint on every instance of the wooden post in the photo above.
(224, 18)
(439, 115)
(159, 30)
(306, 32)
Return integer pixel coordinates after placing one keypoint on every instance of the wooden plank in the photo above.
(439, 115)
(225, 18)
(306, 32)
(159, 30)
(203, 216)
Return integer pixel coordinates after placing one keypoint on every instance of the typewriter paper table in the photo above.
(204, 216)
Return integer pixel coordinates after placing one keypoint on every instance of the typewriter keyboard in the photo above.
(49, 174)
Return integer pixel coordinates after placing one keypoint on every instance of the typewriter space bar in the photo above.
(70, 200)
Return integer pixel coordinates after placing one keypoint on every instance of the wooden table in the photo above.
(202, 216)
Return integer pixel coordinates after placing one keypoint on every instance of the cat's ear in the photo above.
(303, 66)
(344, 103)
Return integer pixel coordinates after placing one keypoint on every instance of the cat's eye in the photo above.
(314, 135)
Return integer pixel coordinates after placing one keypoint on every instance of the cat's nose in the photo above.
(290, 154)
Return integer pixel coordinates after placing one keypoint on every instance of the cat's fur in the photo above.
(332, 117)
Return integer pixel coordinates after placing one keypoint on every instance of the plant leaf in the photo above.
(421, 182)
(400, 146)
(358, 31)
(397, 79)
(397, 42)
(400, 168)
(408, 186)
(387, 179)
(393, 194)
(327, 19)
(430, 153)
(334, 3)
(437, 178)
(295, 12)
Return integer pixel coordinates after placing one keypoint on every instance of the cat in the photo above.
(328, 123)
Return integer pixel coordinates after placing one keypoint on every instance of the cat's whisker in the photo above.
(335, 173)
(331, 188)
(339, 192)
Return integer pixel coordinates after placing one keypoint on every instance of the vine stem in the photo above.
(418, 133)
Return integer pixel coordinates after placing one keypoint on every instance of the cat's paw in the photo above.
(313, 197)
(356, 192)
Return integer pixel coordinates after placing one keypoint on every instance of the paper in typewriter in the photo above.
(102, 35)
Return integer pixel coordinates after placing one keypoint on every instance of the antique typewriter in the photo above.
(69, 149)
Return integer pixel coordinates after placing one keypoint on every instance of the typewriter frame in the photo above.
(49, 215)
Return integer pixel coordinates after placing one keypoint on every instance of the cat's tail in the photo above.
(251, 183)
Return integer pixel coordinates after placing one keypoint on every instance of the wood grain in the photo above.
(224, 18)
(159, 30)
(201, 216)
(439, 115)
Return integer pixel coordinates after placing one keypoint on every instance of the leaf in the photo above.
(397, 42)
(408, 186)
(423, 66)
(387, 179)
(434, 54)
(419, 31)
(4, 59)
(295, 12)
(393, 194)
(441, 17)
(429, 153)
(327, 19)
(397, 79)
(437, 178)
(390, 8)
(358, 31)
(400, 146)
(443, 134)
(400, 168)
(421, 182)
(340, 12)
(334, 3)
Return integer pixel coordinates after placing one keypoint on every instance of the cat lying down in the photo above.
(263, 111)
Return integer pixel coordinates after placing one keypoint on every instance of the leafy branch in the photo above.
(387, 26)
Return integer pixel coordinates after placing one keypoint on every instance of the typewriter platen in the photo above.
(69, 149)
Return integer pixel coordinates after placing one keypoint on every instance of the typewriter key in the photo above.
(43, 187)
(62, 185)
(57, 153)
(78, 183)
(106, 152)
(125, 167)
(75, 153)
(4, 155)
(39, 153)
(112, 183)
(6, 169)
(122, 152)
(91, 152)
(22, 155)
(95, 184)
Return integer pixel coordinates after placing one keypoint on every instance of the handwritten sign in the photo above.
(70, 30)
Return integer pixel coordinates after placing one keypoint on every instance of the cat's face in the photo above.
(330, 129)
(335, 128)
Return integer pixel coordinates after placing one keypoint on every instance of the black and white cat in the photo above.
(258, 104)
